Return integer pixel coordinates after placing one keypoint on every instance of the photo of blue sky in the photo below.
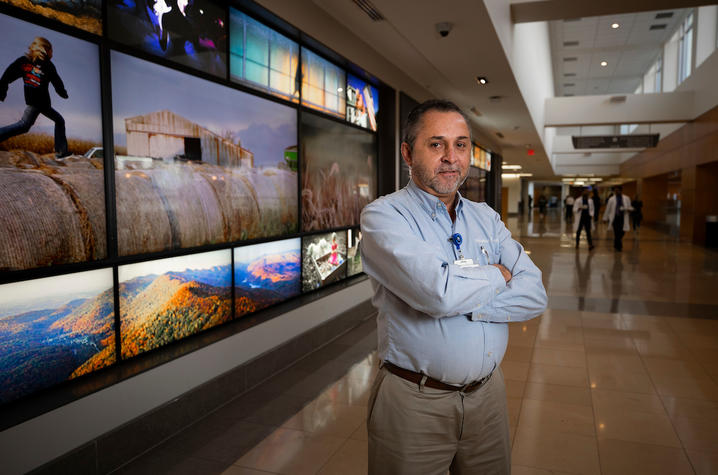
(140, 87)
(77, 63)
(359, 84)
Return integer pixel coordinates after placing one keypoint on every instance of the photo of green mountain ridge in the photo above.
(170, 299)
(44, 346)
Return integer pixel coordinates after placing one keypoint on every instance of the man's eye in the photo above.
(435, 144)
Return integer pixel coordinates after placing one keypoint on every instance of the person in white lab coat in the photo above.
(583, 211)
(617, 212)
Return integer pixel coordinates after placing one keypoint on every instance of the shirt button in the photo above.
(497, 291)
(489, 353)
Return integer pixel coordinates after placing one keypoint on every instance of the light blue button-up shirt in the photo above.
(434, 316)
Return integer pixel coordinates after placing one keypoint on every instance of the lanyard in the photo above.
(456, 239)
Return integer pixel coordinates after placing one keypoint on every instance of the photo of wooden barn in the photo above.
(167, 136)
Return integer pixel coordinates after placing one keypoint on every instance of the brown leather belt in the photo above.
(434, 383)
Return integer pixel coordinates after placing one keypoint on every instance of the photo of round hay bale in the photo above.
(41, 225)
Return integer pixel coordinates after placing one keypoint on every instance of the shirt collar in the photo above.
(429, 202)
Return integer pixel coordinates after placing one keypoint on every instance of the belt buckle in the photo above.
(476, 384)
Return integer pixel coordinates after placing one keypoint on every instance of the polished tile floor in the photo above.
(618, 376)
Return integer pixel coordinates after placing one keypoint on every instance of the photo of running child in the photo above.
(37, 72)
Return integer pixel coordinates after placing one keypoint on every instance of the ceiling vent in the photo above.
(369, 9)
(475, 111)
(495, 99)
(570, 43)
(568, 84)
(569, 59)
(660, 16)
(659, 26)
(569, 75)
(499, 135)
(568, 95)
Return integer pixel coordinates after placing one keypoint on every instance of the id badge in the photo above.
(465, 263)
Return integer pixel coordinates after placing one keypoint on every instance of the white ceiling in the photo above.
(629, 50)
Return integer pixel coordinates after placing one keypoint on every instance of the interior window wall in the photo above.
(261, 57)
(322, 84)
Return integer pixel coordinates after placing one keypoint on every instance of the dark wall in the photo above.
(387, 140)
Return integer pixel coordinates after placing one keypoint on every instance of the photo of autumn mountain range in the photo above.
(166, 300)
(54, 329)
(265, 274)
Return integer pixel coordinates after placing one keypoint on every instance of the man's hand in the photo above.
(504, 271)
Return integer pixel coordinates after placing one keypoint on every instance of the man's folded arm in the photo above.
(524, 296)
(417, 272)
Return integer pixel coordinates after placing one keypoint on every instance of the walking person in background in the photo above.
(637, 213)
(617, 212)
(584, 210)
(569, 207)
(542, 204)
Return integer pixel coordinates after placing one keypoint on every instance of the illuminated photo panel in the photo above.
(189, 32)
(338, 172)
(198, 163)
(169, 299)
(324, 259)
(323, 84)
(52, 185)
(262, 58)
(265, 274)
(85, 15)
(54, 329)
(362, 103)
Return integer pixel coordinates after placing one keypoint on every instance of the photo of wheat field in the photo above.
(85, 15)
(169, 299)
(338, 172)
(53, 208)
(54, 329)
(265, 274)
(197, 163)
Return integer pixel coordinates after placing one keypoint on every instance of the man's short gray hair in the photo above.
(413, 122)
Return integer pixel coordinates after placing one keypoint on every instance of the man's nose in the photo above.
(450, 156)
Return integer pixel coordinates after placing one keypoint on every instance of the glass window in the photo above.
(322, 84)
(685, 48)
(261, 57)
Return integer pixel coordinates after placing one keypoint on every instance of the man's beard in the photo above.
(435, 183)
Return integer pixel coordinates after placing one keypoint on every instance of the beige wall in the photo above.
(692, 149)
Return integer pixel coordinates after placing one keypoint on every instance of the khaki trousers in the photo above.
(416, 430)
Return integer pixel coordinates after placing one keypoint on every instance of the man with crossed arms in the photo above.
(447, 279)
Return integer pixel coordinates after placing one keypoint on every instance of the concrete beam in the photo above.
(565, 9)
(598, 170)
(666, 107)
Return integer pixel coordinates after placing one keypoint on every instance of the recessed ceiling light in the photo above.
(615, 25)
(604, 63)
(481, 80)
(339, 89)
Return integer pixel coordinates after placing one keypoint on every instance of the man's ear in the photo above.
(406, 153)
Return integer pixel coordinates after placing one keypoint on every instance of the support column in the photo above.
(688, 203)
